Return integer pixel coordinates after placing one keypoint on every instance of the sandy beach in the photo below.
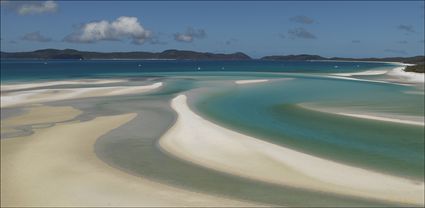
(410, 77)
(202, 142)
(45, 169)
(395, 75)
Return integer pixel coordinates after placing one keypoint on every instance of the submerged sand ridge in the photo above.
(38, 115)
(197, 140)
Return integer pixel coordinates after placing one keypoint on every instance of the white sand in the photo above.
(395, 118)
(251, 81)
(379, 118)
(362, 73)
(397, 74)
(8, 87)
(57, 167)
(47, 95)
(409, 77)
(361, 80)
(202, 142)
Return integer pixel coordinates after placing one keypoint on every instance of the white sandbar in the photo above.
(8, 87)
(47, 95)
(251, 81)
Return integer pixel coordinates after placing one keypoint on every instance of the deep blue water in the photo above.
(21, 70)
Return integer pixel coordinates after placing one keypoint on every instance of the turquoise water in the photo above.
(268, 111)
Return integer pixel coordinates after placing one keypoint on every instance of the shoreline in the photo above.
(224, 150)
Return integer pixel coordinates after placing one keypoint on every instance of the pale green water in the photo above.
(269, 111)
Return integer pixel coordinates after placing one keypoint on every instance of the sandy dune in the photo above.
(47, 95)
(204, 143)
(57, 167)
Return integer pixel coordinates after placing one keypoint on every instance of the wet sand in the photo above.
(57, 166)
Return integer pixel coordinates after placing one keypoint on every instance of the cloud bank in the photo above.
(190, 34)
(302, 19)
(407, 28)
(300, 33)
(36, 37)
(31, 7)
(119, 29)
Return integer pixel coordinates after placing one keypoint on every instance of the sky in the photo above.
(257, 28)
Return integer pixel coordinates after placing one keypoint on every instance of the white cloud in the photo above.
(190, 35)
(122, 27)
(31, 7)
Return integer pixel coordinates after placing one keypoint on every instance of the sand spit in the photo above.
(252, 81)
(363, 80)
(47, 95)
(362, 73)
(202, 142)
(8, 87)
(411, 120)
(378, 118)
(57, 166)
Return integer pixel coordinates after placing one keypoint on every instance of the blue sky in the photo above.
(350, 29)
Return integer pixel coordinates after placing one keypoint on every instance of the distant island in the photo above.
(48, 54)
(167, 54)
